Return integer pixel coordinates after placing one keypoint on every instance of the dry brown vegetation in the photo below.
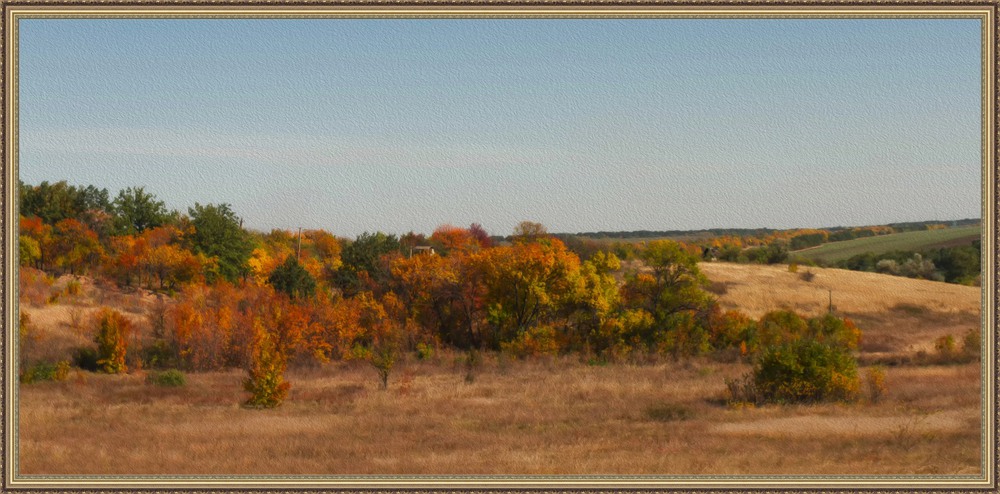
(542, 416)
(528, 418)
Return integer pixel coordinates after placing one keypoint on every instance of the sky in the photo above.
(579, 124)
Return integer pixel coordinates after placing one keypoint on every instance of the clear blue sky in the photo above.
(582, 125)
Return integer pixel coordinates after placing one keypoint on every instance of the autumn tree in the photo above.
(41, 234)
(672, 292)
(527, 231)
(113, 330)
(75, 247)
(525, 284)
(265, 379)
(448, 238)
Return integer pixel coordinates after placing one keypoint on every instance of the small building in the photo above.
(422, 249)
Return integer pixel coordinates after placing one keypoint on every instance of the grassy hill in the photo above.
(908, 241)
(895, 314)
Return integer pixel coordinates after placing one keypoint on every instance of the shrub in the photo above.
(44, 371)
(86, 358)
(945, 346)
(424, 352)
(383, 358)
(835, 331)
(793, 267)
(806, 371)
(533, 342)
(73, 288)
(743, 390)
(972, 344)
(875, 383)
(113, 331)
(172, 378)
(266, 373)
(160, 354)
(807, 276)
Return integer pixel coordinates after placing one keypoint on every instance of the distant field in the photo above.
(913, 241)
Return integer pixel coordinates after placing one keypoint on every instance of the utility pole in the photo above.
(298, 249)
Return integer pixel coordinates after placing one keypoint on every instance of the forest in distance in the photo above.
(179, 304)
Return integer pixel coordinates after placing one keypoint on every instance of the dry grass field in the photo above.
(558, 416)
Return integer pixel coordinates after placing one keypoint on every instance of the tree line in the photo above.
(263, 301)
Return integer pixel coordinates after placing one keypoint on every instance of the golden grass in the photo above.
(895, 314)
(756, 289)
(560, 417)
(537, 417)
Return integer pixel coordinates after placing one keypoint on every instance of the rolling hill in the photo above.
(907, 241)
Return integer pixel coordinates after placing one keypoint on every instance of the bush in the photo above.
(972, 344)
(172, 378)
(533, 342)
(86, 358)
(160, 354)
(266, 373)
(44, 371)
(383, 358)
(424, 352)
(875, 383)
(743, 390)
(806, 371)
(113, 331)
(73, 288)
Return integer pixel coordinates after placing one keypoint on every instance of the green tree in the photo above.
(59, 201)
(293, 280)
(218, 234)
(136, 210)
(362, 262)
(673, 294)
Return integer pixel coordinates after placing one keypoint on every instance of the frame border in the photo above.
(11, 11)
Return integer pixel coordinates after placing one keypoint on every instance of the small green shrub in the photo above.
(806, 371)
(425, 352)
(45, 371)
(159, 355)
(171, 378)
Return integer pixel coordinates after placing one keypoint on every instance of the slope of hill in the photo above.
(907, 241)
(895, 314)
